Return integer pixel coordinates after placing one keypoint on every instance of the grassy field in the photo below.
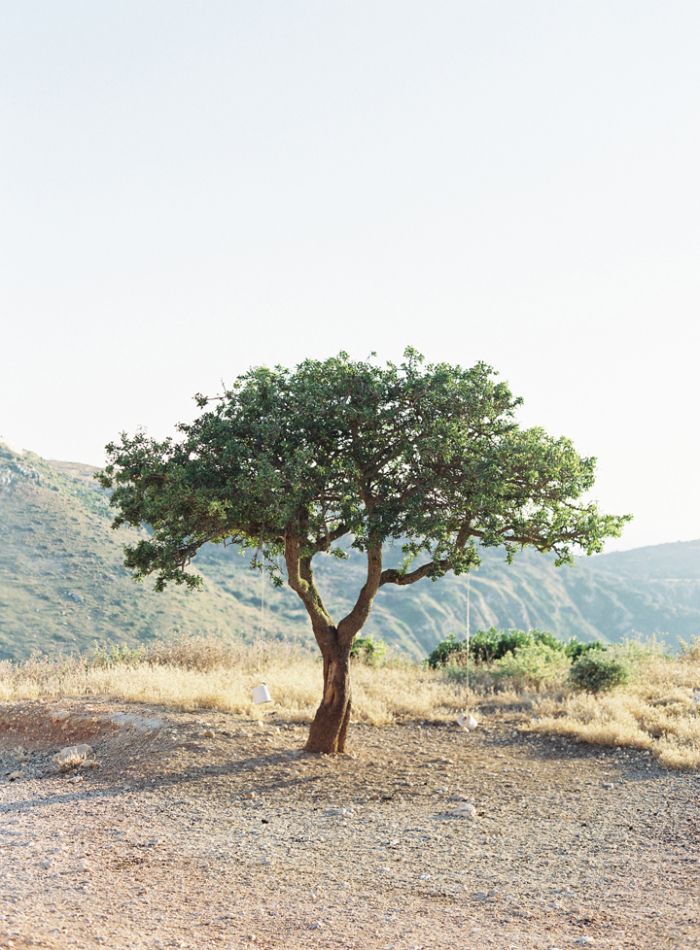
(656, 711)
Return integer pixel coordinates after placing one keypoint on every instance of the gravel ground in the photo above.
(216, 832)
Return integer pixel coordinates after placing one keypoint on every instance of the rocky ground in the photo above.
(209, 831)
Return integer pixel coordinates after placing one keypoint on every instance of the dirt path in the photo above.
(214, 832)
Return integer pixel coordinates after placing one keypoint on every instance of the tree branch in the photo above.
(324, 542)
(301, 579)
(402, 578)
(348, 626)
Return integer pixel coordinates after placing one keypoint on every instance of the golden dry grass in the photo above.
(657, 711)
(207, 674)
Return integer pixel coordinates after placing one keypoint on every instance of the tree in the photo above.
(289, 462)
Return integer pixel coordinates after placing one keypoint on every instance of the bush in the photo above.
(595, 671)
(487, 646)
(534, 665)
(368, 651)
(447, 651)
(576, 648)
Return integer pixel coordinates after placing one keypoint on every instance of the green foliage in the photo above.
(340, 447)
(369, 651)
(576, 648)
(450, 650)
(534, 664)
(596, 672)
(517, 659)
(487, 646)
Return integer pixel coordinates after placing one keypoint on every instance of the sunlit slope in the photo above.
(63, 586)
(62, 583)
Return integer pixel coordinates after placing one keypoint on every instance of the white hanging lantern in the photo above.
(261, 694)
(467, 721)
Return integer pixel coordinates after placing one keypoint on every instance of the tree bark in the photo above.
(329, 728)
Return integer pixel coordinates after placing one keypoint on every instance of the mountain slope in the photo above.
(63, 586)
(62, 583)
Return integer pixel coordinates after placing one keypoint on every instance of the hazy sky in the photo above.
(187, 189)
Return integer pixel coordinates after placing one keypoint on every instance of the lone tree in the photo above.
(288, 462)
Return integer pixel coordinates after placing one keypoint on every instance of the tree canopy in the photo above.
(290, 461)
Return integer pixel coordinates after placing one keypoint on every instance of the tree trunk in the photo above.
(329, 728)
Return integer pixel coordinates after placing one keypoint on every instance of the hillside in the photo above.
(62, 583)
(63, 586)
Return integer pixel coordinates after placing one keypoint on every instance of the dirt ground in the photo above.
(202, 831)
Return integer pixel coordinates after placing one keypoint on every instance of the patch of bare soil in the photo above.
(202, 832)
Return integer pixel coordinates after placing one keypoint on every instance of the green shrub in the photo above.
(447, 651)
(533, 665)
(489, 645)
(369, 651)
(575, 648)
(596, 671)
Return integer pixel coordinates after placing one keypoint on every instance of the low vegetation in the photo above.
(630, 696)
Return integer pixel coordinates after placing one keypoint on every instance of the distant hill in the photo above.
(63, 586)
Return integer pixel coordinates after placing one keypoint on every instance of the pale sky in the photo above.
(187, 189)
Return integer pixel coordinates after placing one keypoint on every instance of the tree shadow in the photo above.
(164, 780)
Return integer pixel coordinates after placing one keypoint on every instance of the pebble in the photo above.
(465, 810)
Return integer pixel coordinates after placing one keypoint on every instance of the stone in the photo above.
(464, 810)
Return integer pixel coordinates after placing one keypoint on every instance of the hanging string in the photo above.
(262, 604)
(469, 627)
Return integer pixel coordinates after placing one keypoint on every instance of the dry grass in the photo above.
(198, 673)
(656, 712)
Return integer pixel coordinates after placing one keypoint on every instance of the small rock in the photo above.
(584, 941)
(339, 812)
(13, 776)
(208, 733)
(464, 810)
(608, 785)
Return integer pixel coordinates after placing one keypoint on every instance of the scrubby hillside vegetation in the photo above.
(63, 586)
